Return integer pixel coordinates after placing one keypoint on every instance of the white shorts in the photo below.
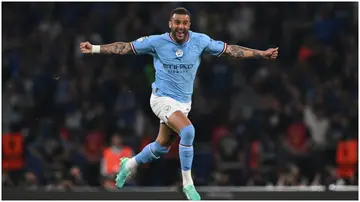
(163, 107)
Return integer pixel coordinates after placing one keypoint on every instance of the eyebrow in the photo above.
(180, 20)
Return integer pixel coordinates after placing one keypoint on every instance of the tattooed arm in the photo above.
(120, 48)
(243, 52)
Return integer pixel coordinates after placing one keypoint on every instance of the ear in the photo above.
(169, 24)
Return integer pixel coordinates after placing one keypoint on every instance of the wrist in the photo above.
(95, 49)
(262, 53)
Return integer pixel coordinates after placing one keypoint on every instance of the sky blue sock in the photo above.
(186, 157)
(151, 152)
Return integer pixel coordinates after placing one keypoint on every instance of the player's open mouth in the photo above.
(180, 34)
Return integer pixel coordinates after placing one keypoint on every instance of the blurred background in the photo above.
(293, 121)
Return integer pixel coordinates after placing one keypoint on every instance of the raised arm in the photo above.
(243, 52)
(120, 48)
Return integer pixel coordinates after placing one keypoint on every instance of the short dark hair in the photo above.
(181, 11)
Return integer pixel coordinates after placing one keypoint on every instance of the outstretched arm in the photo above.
(243, 52)
(120, 48)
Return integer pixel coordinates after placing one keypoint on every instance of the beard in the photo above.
(178, 35)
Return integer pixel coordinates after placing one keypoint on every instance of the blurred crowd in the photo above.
(292, 121)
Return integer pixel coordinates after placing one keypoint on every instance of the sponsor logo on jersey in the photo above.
(178, 66)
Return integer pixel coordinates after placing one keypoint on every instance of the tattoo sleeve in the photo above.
(243, 52)
(120, 48)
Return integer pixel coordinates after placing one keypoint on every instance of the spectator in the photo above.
(297, 149)
(6, 180)
(31, 180)
(110, 162)
(291, 177)
(220, 179)
(73, 177)
(50, 158)
(229, 159)
(93, 151)
(318, 125)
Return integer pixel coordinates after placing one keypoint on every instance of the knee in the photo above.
(187, 135)
(158, 150)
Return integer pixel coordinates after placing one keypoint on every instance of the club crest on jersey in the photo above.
(179, 53)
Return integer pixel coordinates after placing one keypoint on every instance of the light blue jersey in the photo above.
(176, 64)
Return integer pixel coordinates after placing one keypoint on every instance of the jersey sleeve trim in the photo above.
(133, 48)
(223, 51)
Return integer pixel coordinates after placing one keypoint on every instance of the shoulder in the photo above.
(200, 36)
(150, 38)
(146, 38)
(155, 40)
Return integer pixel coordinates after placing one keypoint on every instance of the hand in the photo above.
(85, 47)
(271, 53)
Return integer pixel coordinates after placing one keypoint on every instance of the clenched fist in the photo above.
(86, 47)
(271, 53)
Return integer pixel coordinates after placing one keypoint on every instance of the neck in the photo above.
(116, 147)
